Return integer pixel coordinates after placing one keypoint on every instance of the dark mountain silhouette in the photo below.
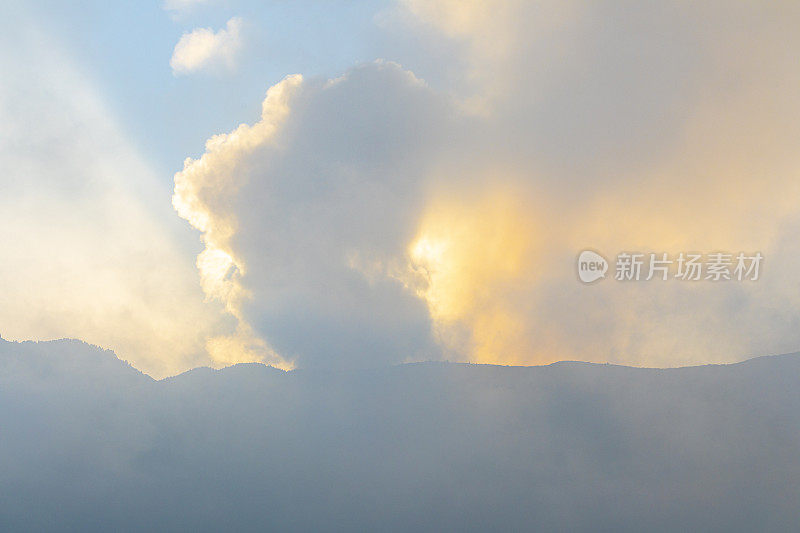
(89, 443)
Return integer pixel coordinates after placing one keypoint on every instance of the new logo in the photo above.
(591, 266)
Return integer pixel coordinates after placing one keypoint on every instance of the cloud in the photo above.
(625, 130)
(303, 204)
(202, 190)
(372, 218)
(203, 49)
(471, 254)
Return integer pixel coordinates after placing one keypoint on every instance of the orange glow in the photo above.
(468, 259)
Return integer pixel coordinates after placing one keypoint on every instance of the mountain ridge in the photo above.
(41, 345)
(425, 446)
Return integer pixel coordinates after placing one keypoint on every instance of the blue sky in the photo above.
(124, 48)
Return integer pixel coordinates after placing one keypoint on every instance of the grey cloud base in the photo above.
(89, 443)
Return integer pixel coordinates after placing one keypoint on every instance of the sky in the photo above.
(318, 184)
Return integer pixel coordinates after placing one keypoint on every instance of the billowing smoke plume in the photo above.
(376, 218)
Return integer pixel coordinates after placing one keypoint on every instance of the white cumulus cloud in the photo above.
(205, 49)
